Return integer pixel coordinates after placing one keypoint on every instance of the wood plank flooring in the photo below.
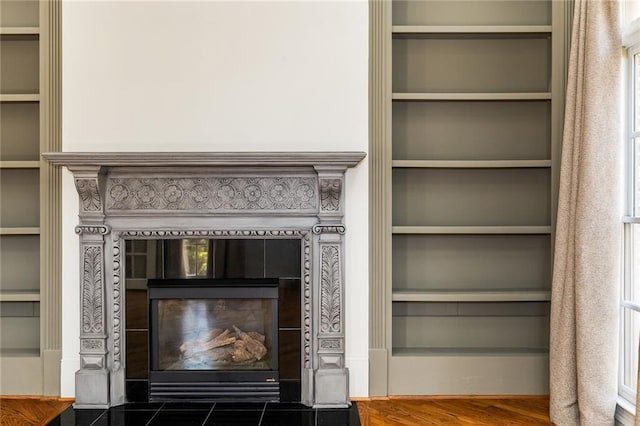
(399, 411)
(34, 411)
(394, 411)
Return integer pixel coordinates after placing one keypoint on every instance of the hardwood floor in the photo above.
(408, 411)
(394, 411)
(26, 411)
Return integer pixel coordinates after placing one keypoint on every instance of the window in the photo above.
(197, 259)
(630, 300)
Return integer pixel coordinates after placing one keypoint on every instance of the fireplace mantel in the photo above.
(235, 159)
(156, 195)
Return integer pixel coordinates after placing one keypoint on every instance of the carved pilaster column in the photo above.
(92, 380)
(331, 378)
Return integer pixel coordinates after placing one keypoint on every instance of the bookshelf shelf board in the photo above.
(472, 296)
(464, 230)
(19, 296)
(485, 164)
(433, 96)
(471, 29)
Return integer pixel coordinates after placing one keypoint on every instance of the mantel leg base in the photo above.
(92, 389)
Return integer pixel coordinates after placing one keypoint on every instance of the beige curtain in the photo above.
(584, 300)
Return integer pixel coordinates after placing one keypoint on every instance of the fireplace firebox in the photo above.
(213, 339)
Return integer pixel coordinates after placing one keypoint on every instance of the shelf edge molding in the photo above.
(472, 296)
(501, 96)
(20, 230)
(471, 29)
(515, 230)
(19, 296)
(19, 30)
(19, 97)
(19, 164)
(471, 164)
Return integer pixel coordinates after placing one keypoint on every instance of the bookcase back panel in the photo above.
(19, 131)
(471, 197)
(471, 262)
(20, 263)
(19, 71)
(471, 65)
(471, 130)
(27, 338)
(19, 198)
(471, 12)
(483, 330)
(19, 13)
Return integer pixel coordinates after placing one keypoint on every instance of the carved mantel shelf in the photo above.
(156, 195)
(235, 159)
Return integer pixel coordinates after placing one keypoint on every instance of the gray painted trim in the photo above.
(50, 196)
(379, 194)
(252, 159)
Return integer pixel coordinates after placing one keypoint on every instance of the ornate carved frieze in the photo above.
(90, 199)
(213, 194)
(330, 190)
(92, 229)
(329, 229)
(330, 290)
(92, 288)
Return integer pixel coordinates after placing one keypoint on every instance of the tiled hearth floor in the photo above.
(209, 414)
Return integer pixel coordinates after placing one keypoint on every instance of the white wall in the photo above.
(219, 76)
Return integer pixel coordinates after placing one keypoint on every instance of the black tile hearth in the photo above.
(209, 414)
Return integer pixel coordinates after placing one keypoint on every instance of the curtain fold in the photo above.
(584, 300)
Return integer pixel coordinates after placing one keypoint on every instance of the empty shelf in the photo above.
(471, 229)
(472, 296)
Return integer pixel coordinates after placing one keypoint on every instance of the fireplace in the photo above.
(213, 340)
(263, 195)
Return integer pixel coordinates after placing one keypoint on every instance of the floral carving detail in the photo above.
(330, 291)
(305, 192)
(146, 194)
(172, 193)
(199, 194)
(92, 290)
(213, 194)
(330, 194)
(119, 193)
(226, 193)
(89, 195)
(279, 192)
(252, 193)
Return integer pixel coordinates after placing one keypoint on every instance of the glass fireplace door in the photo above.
(215, 334)
(213, 339)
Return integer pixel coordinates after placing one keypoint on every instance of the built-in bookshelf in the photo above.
(476, 103)
(26, 231)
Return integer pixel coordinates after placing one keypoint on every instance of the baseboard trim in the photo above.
(38, 398)
(441, 397)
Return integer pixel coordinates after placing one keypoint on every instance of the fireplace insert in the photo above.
(213, 339)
